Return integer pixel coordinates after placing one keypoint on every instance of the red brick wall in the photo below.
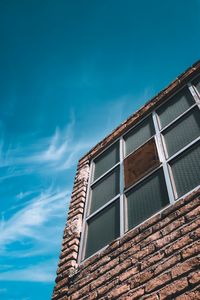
(157, 260)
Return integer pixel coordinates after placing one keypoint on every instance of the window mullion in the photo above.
(162, 159)
(121, 155)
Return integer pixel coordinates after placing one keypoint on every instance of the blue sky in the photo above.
(70, 72)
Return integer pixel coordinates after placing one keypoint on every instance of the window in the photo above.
(146, 169)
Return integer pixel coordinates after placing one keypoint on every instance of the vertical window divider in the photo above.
(161, 155)
(121, 155)
(194, 94)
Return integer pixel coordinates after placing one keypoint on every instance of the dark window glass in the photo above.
(182, 132)
(196, 82)
(175, 107)
(104, 190)
(103, 228)
(106, 161)
(186, 170)
(139, 135)
(146, 198)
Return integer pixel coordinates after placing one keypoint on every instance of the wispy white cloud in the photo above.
(51, 154)
(23, 195)
(42, 272)
(34, 220)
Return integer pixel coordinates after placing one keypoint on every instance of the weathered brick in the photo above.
(65, 252)
(130, 252)
(188, 207)
(70, 256)
(128, 273)
(148, 261)
(194, 278)
(91, 296)
(190, 227)
(101, 262)
(129, 235)
(62, 283)
(100, 281)
(180, 243)
(185, 266)
(140, 278)
(109, 265)
(157, 282)
(166, 240)
(121, 267)
(80, 293)
(170, 291)
(134, 294)
(172, 226)
(145, 252)
(191, 295)
(193, 214)
(168, 263)
(107, 287)
(118, 291)
(191, 250)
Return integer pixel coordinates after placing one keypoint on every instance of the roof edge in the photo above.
(141, 112)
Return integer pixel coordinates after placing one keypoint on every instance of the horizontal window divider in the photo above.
(143, 178)
(102, 207)
(153, 136)
(177, 118)
(104, 174)
(183, 149)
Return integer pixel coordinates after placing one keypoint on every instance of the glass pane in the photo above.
(106, 161)
(175, 107)
(139, 135)
(103, 228)
(197, 83)
(146, 198)
(183, 131)
(104, 190)
(186, 170)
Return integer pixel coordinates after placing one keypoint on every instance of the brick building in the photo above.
(133, 224)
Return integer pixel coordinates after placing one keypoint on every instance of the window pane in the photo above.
(103, 228)
(139, 135)
(186, 170)
(182, 132)
(197, 83)
(175, 107)
(146, 198)
(106, 161)
(104, 190)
